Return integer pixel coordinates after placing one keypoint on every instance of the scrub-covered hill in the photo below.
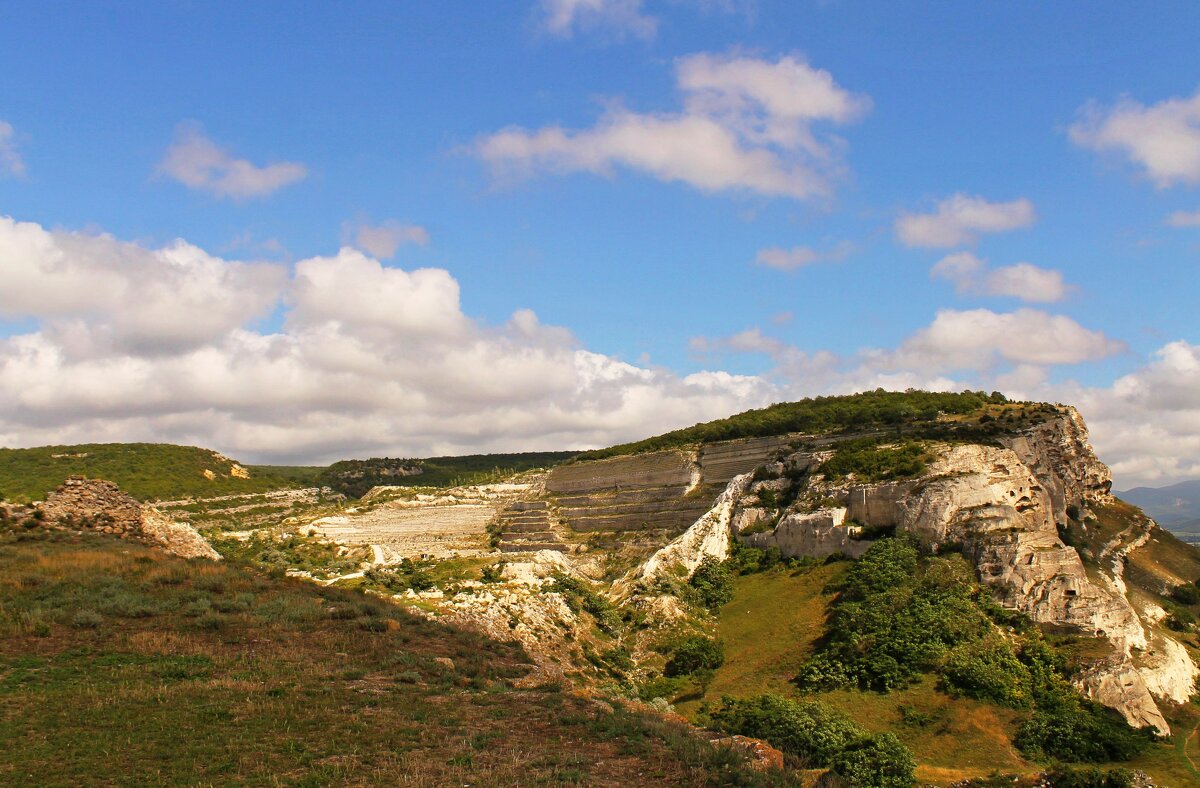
(147, 471)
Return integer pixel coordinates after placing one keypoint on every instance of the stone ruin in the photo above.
(102, 507)
(93, 505)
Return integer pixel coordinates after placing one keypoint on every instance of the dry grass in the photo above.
(296, 684)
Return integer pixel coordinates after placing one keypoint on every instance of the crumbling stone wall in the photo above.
(93, 504)
(98, 505)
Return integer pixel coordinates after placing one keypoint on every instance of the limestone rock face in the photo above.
(101, 506)
(708, 536)
(994, 505)
(1060, 455)
(1116, 683)
(1168, 671)
(818, 534)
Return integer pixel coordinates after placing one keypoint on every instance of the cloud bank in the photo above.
(341, 355)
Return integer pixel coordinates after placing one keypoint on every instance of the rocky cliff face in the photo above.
(1003, 507)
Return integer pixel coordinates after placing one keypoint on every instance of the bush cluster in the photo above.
(693, 653)
(899, 616)
(892, 622)
(578, 596)
(872, 460)
(818, 736)
(712, 581)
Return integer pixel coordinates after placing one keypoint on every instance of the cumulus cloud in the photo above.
(1163, 139)
(131, 343)
(564, 18)
(747, 124)
(199, 163)
(116, 293)
(960, 220)
(970, 275)
(980, 339)
(11, 162)
(800, 256)
(382, 240)
(1184, 219)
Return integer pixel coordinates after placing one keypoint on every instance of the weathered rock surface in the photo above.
(707, 537)
(818, 534)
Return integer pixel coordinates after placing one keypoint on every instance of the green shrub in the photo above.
(579, 596)
(1187, 594)
(895, 619)
(810, 731)
(713, 582)
(868, 459)
(86, 619)
(989, 670)
(693, 653)
(876, 761)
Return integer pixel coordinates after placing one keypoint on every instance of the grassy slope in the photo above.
(149, 471)
(200, 672)
(769, 629)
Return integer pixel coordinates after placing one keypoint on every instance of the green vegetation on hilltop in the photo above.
(109, 650)
(147, 471)
(355, 478)
(819, 415)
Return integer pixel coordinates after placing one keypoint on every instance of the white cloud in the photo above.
(750, 341)
(960, 219)
(1146, 425)
(11, 162)
(108, 291)
(747, 125)
(970, 275)
(198, 163)
(801, 256)
(980, 339)
(564, 18)
(131, 343)
(382, 240)
(1184, 219)
(1163, 138)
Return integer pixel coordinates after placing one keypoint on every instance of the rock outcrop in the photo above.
(101, 506)
(1002, 506)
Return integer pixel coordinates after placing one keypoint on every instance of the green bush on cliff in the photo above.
(871, 460)
(713, 583)
(811, 731)
(693, 653)
(876, 761)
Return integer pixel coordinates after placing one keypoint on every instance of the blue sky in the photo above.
(393, 116)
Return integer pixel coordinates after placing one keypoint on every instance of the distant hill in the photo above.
(975, 415)
(1176, 508)
(147, 471)
(355, 477)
